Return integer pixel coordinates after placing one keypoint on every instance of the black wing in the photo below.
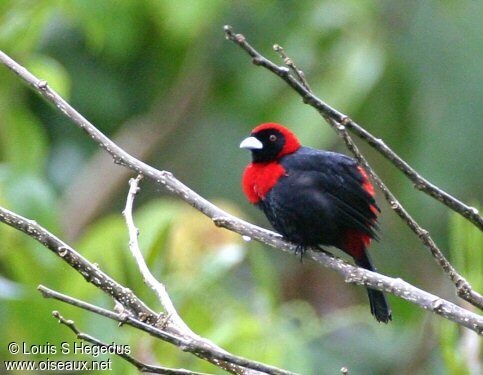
(335, 185)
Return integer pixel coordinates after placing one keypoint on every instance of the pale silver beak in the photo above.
(251, 143)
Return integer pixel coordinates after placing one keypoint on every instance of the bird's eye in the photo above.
(272, 138)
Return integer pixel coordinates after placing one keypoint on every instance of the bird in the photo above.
(314, 198)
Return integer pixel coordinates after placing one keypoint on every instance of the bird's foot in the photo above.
(300, 250)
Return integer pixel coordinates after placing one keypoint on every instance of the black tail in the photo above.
(379, 305)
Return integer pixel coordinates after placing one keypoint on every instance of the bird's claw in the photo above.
(300, 250)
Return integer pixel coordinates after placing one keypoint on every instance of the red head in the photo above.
(269, 142)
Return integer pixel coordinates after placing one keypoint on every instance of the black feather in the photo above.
(379, 305)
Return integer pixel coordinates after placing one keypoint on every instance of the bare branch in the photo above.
(221, 218)
(149, 279)
(300, 86)
(199, 348)
(142, 367)
(339, 122)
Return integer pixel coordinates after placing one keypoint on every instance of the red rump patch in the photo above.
(259, 178)
(292, 144)
(356, 242)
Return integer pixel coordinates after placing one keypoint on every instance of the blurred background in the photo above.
(160, 79)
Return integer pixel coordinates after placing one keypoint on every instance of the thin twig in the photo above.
(185, 344)
(420, 183)
(149, 279)
(224, 219)
(142, 367)
(291, 65)
(336, 120)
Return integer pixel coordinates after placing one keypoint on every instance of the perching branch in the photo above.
(200, 349)
(339, 123)
(360, 276)
(165, 179)
(142, 367)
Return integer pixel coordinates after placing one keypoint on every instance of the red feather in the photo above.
(356, 242)
(259, 178)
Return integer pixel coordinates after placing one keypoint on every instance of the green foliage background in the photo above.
(410, 72)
